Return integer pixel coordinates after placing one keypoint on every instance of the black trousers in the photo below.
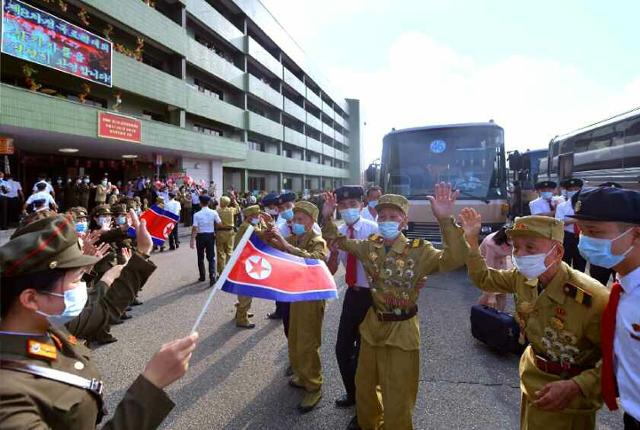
(601, 274)
(571, 254)
(631, 423)
(283, 309)
(206, 245)
(4, 212)
(173, 237)
(354, 308)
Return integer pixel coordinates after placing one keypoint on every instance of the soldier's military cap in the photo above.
(46, 244)
(269, 199)
(307, 208)
(537, 226)
(349, 192)
(545, 184)
(204, 199)
(610, 184)
(608, 204)
(225, 201)
(251, 211)
(287, 197)
(78, 212)
(101, 210)
(395, 201)
(572, 182)
(118, 209)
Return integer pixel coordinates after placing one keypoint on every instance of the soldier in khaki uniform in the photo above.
(559, 310)
(389, 358)
(305, 320)
(252, 216)
(49, 379)
(225, 234)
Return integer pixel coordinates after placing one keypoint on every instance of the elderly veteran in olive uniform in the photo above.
(252, 217)
(49, 379)
(305, 319)
(225, 234)
(559, 311)
(389, 357)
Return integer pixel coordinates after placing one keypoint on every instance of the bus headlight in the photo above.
(485, 229)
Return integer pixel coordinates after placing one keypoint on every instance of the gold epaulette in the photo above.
(578, 294)
(417, 243)
(375, 238)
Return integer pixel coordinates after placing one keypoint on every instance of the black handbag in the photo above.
(498, 330)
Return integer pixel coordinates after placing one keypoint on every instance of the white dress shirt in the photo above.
(563, 211)
(205, 219)
(41, 195)
(626, 344)
(15, 186)
(363, 228)
(173, 206)
(366, 214)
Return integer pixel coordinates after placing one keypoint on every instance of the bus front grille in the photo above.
(424, 230)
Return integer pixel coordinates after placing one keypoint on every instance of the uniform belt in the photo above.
(555, 368)
(225, 228)
(392, 316)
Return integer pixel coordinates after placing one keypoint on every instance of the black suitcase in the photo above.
(499, 330)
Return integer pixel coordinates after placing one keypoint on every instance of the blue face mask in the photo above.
(287, 215)
(547, 195)
(74, 301)
(298, 229)
(351, 215)
(122, 220)
(372, 204)
(254, 221)
(81, 227)
(389, 229)
(598, 251)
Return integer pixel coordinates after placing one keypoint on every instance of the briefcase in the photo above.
(499, 330)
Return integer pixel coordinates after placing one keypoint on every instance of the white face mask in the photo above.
(531, 266)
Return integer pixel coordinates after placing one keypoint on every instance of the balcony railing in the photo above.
(207, 15)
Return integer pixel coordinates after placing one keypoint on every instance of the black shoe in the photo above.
(172, 248)
(288, 371)
(105, 340)
(248, 326)
(201, 279)
(274, 316)
(177, 245)
(117, 321)
(125, 316)
(249, 315)
(129, 308)
(136, 302)
(212, 282)
(345, 401)
(353, 424)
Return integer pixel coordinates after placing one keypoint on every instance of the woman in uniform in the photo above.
(49, 379)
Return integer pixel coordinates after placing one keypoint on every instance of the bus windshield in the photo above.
(469, 157)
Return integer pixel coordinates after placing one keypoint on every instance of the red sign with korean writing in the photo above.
(119, 127)
(34, 35)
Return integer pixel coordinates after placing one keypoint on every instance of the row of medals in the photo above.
(401, 282)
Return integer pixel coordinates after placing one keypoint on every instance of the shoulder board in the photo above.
(375, 238)
(578, 294)
(417, 243)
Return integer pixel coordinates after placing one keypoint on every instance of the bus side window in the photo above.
(632, 131)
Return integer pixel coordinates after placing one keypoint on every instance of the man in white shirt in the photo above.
(15, 197)
(203, 238)
(174, 207)
(369, 211)
(41, 194)
(564, 211)
(609, 220)
(42, 180)
(546, 203)
(4, 202)
(357, 299)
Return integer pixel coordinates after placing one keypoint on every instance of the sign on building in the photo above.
(31, 34)
(112, 126)
(6, 146)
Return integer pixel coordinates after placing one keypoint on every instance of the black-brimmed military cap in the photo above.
(610, 184)
(269, 199)
(349, 192)
(286, 197)
(608, 204)
(572, 182)
(545, 184)
(204, 199)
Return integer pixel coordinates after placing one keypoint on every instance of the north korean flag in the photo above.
(258, 270)
(160, 224)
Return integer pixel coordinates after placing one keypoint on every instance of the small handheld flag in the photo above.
(160, 224)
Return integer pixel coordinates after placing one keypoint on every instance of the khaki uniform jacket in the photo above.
(393, 276)
(562, 324)
(30, 402)
(228, 216)
(309, 245)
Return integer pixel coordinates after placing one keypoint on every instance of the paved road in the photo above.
(236, 379)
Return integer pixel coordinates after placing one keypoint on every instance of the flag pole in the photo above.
(223, 276)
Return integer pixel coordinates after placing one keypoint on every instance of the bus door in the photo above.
(565, 166)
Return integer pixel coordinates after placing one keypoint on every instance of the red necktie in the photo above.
(576, 229)
(351, 276)
(608, 330)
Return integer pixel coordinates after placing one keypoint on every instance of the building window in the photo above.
(208, 89)
(287, 183)
(256, 183)
(307, 184)
(256, 146)
(287, 153)
(207, 130)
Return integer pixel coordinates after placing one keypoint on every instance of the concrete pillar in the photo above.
(244, 180)
(216, 175)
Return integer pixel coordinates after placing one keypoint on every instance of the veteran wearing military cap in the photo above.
(269, 205)
(389, 358)
(564, 210)
(305, 326)
(547, 200)
(559, 311)
(225, 237)
(609, 219)
(49, 379)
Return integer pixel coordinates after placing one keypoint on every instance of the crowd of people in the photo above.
(66, 278)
